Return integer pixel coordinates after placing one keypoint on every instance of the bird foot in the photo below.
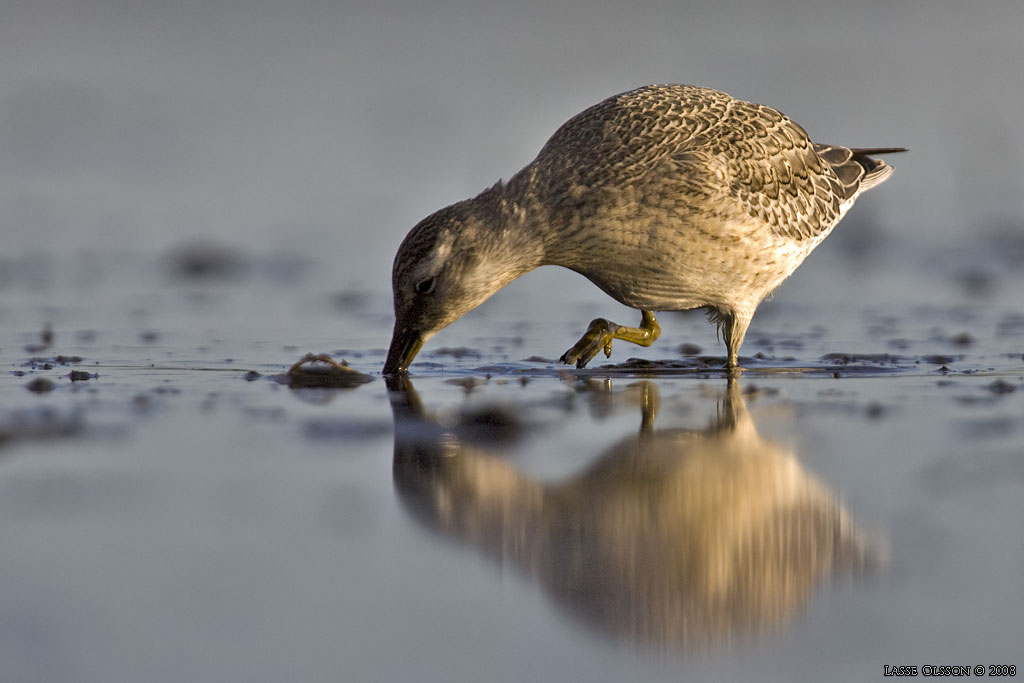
(597, 338)
(601, 332)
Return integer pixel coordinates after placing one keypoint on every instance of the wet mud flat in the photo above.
(174, 507)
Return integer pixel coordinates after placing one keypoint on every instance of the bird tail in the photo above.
(876, 171)
(873, 151)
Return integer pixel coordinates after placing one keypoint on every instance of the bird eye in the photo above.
(425, 286)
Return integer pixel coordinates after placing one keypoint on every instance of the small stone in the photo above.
(689, 349)
(962, 339)
(41, 385)
(320, 371)
(1001, 386)
(875, 410)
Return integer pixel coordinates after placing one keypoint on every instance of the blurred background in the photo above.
(330, 128)
(194, 193)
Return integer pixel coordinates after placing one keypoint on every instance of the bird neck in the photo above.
(511, 238)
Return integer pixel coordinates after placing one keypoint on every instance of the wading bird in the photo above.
(667, 197)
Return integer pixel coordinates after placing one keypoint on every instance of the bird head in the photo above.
(445, 267)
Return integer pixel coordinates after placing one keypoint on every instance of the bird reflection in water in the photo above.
(672, 538)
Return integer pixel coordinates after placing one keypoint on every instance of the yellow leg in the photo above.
(600, 334)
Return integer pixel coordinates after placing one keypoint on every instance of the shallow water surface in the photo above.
(172, 511)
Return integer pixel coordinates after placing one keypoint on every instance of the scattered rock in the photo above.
(206, 261)
(1001, 386)
(941, 359)
(41, 363)
(871, 358)
(962, 339)
(41, 385)
(320, 371)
